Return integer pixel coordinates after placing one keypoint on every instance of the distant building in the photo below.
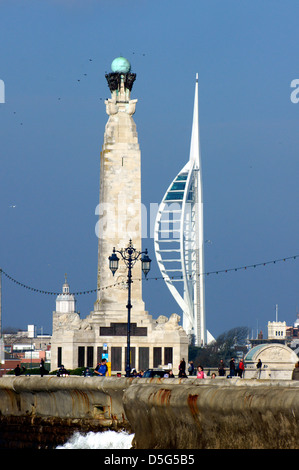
(26, 340)
(278, 361)
(25, 348)
(293, 331)
(277, 330)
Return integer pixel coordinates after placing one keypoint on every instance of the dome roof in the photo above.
(252, 352)
(65, 297)
(120, 65)
(271, 353)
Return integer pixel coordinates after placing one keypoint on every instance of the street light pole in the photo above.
(0, 303)
(129, 308)
(130, 255)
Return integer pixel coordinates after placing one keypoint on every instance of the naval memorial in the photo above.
(80, 342)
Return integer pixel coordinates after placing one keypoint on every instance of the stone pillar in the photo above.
(120, 196)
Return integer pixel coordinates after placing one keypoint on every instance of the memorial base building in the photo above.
(82, 342)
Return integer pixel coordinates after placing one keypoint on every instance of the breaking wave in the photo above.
(99, 440)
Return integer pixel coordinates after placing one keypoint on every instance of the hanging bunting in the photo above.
(147, 278)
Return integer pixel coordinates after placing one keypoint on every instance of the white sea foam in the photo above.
(99, 440)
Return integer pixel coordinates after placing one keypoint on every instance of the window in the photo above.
(174, 196)
(178, 186)
(59, 356)
(81, 356)
(168, 356)
(132, 357)
(157, 357)
(182, 177)
(89, 356)
(116, 358)
(99, 353)
(143, 358)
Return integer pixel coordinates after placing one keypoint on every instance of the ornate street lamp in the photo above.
(113, 262)
(130, 255)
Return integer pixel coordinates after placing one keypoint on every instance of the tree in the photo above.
(10, 330)
(226, 343)
(224, 347)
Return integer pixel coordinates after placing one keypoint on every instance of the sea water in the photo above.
(99, 440)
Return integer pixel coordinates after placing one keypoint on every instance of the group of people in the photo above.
(234, 370)
(101, 370)
(237, 370)
(18, 371)
(182, 368)
(200, 374)
(62, 372)
(42, 369)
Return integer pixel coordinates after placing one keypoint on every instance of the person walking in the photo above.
(101, 369)
(221, 368)
(191, 368)
(295, 373)
(259, 369)
(241, 368)
(182, 366)
(232, 367)
(182, 369)
(17, 370)
(42, 370)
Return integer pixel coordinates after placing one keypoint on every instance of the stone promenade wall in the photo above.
(162, 413)
(43, 412)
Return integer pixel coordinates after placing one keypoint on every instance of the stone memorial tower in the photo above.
(120, 192)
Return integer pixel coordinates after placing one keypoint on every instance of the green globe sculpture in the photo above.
(120, 65)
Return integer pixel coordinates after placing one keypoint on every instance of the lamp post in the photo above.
(130, 255)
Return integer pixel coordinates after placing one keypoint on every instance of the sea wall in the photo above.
(214, 414)
(43, 412)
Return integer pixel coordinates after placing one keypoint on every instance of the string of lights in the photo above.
(155, 278)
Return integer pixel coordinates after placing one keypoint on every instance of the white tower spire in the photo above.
(194, 146)
(179, 239)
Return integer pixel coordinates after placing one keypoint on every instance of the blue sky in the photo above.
(51, 133)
